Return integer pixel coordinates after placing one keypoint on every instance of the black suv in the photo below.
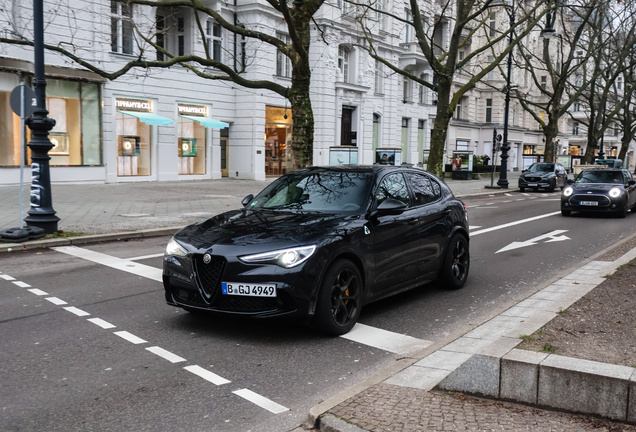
(545, 175)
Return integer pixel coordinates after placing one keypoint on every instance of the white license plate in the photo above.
(533, 184)
(588, 203)
(248, 289)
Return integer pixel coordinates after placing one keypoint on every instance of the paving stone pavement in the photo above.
(389, 408)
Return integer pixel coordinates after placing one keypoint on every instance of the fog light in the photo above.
(567, 204)
(613, 205)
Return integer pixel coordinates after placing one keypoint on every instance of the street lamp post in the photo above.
(41, 214)
(503, 172)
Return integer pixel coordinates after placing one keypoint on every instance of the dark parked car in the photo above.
(543, 175)
(611, 163)
(600, 190)
(319, 243)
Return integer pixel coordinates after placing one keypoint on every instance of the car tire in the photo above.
(623, 213)
(456, 263)
(522, 189)
(552, 187)
(339, 300)
(566, 212)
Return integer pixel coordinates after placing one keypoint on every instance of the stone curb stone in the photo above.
(331, 423)
(520, 375)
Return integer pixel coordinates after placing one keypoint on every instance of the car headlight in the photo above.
(568, 191)
(285, 258)
(174, 248)
(615, 192)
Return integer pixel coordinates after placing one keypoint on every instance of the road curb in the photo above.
(94, 238)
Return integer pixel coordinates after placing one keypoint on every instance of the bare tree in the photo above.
(297, 17)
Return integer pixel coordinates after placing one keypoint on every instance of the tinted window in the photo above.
(541, 167)
(393, 186)
(596, 176)
(425, 190)
(323, 191)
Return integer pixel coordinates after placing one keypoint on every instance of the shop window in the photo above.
(192, 143)
(283, 63)
(405, 135)
(133, 146)
(376, 131)
(76, 136)
(121, 28)
(278, 136)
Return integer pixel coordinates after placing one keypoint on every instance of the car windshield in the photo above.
(594, 176)
(541, 167)
(335, 191)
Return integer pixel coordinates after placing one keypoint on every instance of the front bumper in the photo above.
(537, 182)
(603, 202)
(190, 283)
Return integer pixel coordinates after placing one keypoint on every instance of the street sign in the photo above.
(549, 237)
(30, 101)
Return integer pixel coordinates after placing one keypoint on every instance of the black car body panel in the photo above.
(594, 196)
(393, 251)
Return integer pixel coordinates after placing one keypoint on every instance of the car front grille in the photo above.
(209, 275)
(246, 304)
(602, 200)
(533, 179)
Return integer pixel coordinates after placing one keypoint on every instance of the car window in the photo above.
(541, 167)
(425, 190)
(596, 176)
(393, 186)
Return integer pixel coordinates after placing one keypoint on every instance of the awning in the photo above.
(208, 122)
(149, 118)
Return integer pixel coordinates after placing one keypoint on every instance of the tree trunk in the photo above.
(550, 133)
(303, 129)
(440, 130)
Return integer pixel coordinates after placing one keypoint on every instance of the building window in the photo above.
(460, 57)
(576, 106)
(462, 145)
(405, 138)
(278, 135)
(161, 36)
(214, 39)
(619, 83)
(491, 73)
(544, 81)
(379, 77)
(488, 110)
(422, 90)
(575, 128)
(192, 139)
(406, 89)
(283, 63)
(133, 138)
(407, 34)
(493, 24)
(421, 127)
(343, 63)
(180, 36)
(121, 28)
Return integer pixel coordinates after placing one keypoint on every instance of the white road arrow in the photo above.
(551, 237)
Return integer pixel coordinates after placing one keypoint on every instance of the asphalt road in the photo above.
(61, 372)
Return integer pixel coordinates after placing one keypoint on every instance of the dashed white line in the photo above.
(207, 375)
(56, 301)
(261, 401)
(37, 291)
(129, 337)
(526, 194)
(507, 194)
(100, 322)
(76, 311)
(385, 340)
(6, 277)
(173, 358)
(22, 284)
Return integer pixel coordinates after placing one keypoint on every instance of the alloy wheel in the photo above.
(345, 297)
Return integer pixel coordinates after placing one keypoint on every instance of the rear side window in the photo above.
(425, 190)
(393, 186)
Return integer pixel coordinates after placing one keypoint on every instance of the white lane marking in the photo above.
(6, 277)
(489, 203)
(507, 201)
(552, 236)
(129, 337)
(519, 222)
(113, 262)
(551, 199)
(22, 284)
(100, 322)
(485, 207)
(173, 358)
(76, 311)
(386, 340)
(471, 227)
(261, 401)
(207, 375)
(37, 291)
(143, 257)
(56, 301)
(520, 199)
(507, 194)
(526, 194)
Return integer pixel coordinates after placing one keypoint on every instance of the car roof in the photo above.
(356, 168)
(604, 170)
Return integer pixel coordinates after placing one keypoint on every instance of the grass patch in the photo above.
(527, 338)
(63, 234)
(563, 312)
(548, 348)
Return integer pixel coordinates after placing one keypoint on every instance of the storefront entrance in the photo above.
(225, 151)
(278, 135)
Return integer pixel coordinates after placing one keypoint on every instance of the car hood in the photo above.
(253, 227)
(537, 174)
(603, 188)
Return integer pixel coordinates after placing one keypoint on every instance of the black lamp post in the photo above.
(41, 214)
(503, 173)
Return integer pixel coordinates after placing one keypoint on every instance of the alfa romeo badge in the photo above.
(207, 258)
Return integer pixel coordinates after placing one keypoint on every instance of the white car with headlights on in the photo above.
(600, 190)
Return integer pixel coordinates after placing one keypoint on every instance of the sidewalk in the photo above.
(124, 207)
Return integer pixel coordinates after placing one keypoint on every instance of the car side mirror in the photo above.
(631, 182)
(391, 206)
(524, 171)
(570, 181)
(247, 200)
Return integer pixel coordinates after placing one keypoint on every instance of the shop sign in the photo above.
(277, 115)
(193, 110)
(134, 105)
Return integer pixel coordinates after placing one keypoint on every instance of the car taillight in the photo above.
(465, 209)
